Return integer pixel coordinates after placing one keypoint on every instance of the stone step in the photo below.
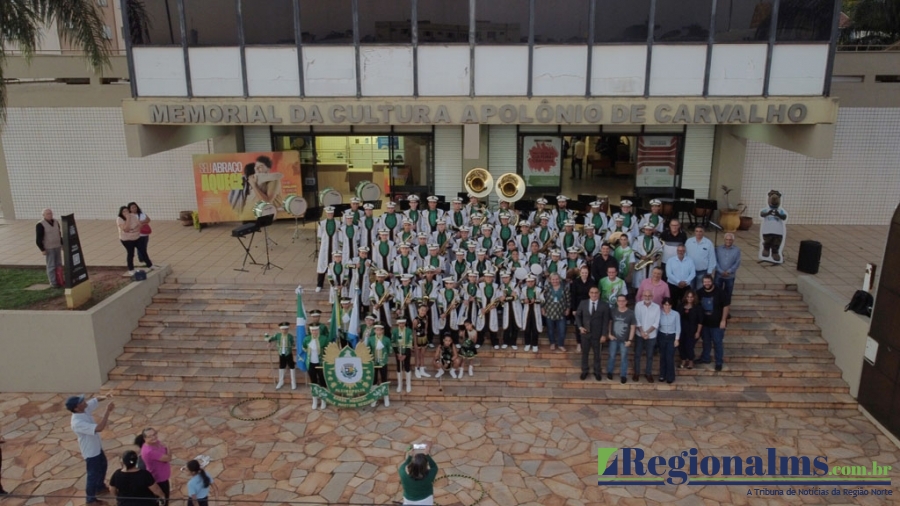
(155, 362)
(603, 394)
(229, 346)
(706, 379)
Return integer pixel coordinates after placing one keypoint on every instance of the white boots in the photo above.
(280, 380)
(424, 373)
(460, 374)
(418, 373)
(470, 370)
(315, 403)
(399, 381)
(293, 379)
(408, 380)
(452, 372)
(439, 373)
(321, 403)
(387, 402)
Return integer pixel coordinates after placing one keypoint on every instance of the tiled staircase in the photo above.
(206, 341)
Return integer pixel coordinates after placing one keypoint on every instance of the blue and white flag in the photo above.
(301, 330)
(353, 329)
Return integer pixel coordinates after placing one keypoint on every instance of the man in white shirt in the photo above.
(88, 433)
(703, 252)
(646, 313)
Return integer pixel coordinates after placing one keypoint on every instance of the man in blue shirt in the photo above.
(702, 251)
(680, 272)
(728, 261)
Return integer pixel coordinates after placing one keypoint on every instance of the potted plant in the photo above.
(746, 221)
(730, 217)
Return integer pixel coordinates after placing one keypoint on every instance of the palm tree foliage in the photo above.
(79, 22)
(875, 21)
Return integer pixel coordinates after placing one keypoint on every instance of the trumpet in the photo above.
(384, 298)
(451, 308)
(487, 309)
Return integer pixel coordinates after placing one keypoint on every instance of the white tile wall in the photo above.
(859, 185)
(74, 160)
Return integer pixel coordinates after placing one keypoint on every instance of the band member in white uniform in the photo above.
(569, 237)
(434, 259)
(510, 311)
(349, 236)
(597, 218)
(380, 299)
(355, 210)
(590, 242)
(432, 216)
(368, 226)
(329, 241)
(405, 263)
(414, 214)
(488, 316)
(359, 282)
(391, 220)
(629, 220)
(339, 276)
(562, 213)
(448, 303)
(653, 217)
(455, 217)
(540, 207)
(642, 247)
(429, 288)
(530, 299)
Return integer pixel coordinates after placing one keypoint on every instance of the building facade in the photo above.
(411, 94)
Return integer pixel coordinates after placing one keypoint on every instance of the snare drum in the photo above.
(294, 205)
(536, 269)
(521, 273)
(330, 197)
(367, 191)
(263, 209)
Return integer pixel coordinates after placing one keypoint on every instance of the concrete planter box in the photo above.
(71, 351)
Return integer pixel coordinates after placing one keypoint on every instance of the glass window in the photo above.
(326, 22)
(385, 21)
(682, 20)
(742, 20)
(155, 24)
(804, 20)
(211, 22)
(501, 22)
(561, 21)
(268, 21)
(621, 20)
(443, 20)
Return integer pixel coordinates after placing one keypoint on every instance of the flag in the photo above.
(353, 329)
(301, 330)
(335, 318)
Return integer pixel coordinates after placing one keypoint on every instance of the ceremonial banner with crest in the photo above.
(349, 374)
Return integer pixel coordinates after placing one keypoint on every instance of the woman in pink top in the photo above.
(157, 459)
(129, 233)
(655, 285)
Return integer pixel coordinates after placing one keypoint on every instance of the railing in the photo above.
(854, 48)
(61, 52)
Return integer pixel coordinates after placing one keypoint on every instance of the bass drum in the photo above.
(367, 191)
(330, 197)
(262, 209)
(521, 273)
(294, 205)
(536, 269)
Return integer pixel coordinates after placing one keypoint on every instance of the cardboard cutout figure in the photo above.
(773, 230)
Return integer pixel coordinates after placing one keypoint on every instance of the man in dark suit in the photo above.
(592, 321)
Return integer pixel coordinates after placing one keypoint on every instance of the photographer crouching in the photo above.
(417, 474)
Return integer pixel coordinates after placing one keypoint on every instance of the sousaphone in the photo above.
(479, 182)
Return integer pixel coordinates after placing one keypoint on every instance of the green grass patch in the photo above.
(13, 284)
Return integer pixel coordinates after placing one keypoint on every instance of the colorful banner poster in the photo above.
(245, 186)
(657, 161)
(542, 160)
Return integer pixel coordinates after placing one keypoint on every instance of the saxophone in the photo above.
(384, 298)
(406, 301)
(451, 308)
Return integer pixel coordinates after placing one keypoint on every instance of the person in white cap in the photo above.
(339, 277)
(355, 211)
(530, 299)
(414, 214)
(408, 233)
(545, 233)
(629, 220)
(359, 280)
(459, 266)
(434, 259)
(430, 286)
(383, 250)
(540, 207)
(433, 215)
(368, 226)
(534, 256)
(556, 264)
(314, 345)
(569, 237)
(329, 241)
(504, 231)
(513, 262)
(349, 236)
(402, 343)
(379, 345)
(616, 229)
(285, 348)
(367, 329)
(380, 294)
(391, 220)
(501, 256)
(476, 221)
(481, 264)
(442, 237)
(420, 250)
(562, 213)
(463, 240)
(502, 209)
(406, 296)
(468, 290)
(590, 242)
(405, 263)
(488, 316)
(486, 240)
(645, 245)
(510, 311)
(448, 303)
(653, 217)
(573, 259)
(474, 207)
(455, 217)
(597, 218)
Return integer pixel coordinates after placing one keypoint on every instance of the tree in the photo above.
(877, 21)
(79, 23)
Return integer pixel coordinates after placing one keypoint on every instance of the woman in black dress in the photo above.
(133, 486)
(578, 291)
(691, 324)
